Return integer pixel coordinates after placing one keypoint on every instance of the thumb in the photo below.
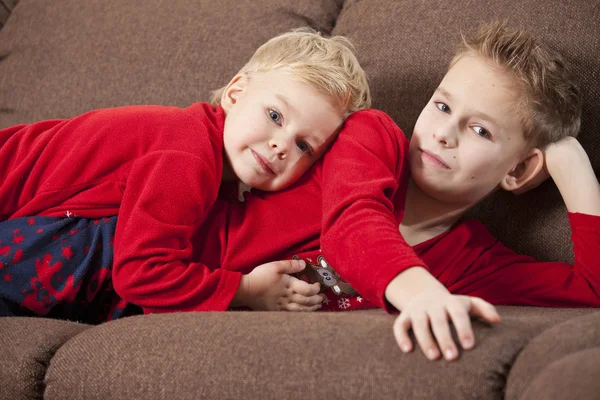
(484, 310)
(290, 266)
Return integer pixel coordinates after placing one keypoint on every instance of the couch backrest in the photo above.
(62, 58)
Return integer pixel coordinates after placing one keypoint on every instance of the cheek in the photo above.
(426, 121)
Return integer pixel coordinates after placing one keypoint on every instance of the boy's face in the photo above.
(276, 128)
(469, 136)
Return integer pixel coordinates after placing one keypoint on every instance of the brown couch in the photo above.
(63, 57)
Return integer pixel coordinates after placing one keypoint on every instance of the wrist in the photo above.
(240, 299)
(411, 282)
(565, 157)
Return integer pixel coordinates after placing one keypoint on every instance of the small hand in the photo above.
(429, 311)
(270, 287)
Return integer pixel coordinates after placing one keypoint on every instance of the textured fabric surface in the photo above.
(551, 347)
(64, 60)
(405, 47)
(573, 377)
(270, 355)
(6, 7)
(26, 346)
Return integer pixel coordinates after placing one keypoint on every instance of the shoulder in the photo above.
(372, 131)
(370, 123)
(156, 116)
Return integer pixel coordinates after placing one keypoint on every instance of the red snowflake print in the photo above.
(18, 256)
(67, 252)
(31, 221)
(18, 239)
(4, 250)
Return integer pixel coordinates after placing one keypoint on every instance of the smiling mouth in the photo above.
(263, 163)
(433, 159)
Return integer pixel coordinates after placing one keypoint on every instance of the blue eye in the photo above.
(275, 116)
(303, 146)
(442, 107)
(482, 132)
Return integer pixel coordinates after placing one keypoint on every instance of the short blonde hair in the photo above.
(327, 64)
(550, 99)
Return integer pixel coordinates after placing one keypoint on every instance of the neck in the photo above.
(228, 175)
(426, 217)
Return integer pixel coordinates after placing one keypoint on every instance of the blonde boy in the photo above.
(160, 168)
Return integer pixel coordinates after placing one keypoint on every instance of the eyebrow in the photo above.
(480, 114)
(283, 100)
(444, 92)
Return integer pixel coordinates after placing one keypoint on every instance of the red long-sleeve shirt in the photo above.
(358, 190)
(158, 167)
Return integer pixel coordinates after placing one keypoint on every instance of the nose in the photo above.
(281, 146)
(446, 135)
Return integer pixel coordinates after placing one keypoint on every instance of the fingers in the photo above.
(484, 310)
(401, 327)
(304, 288)
(289, 266)
(420, 326)
(441, 330)
(462, 324)
(306, 300)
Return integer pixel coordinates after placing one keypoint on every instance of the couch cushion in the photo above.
(405, 47)
(552, 348)
(573, 377)
(281, 355)
(6, 7)
(26, 347)
(68, 57)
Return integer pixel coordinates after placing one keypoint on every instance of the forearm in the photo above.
(404, 287)
(574, 176)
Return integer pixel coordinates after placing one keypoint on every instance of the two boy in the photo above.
(398, 241)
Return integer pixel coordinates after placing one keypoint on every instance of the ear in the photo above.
(528, 174)
(233, 91)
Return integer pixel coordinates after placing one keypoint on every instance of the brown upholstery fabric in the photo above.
(66, 59)
(405, 47)
(27, 345)
(273, 355)
(573, 377)
(6, 7)
(550, 349)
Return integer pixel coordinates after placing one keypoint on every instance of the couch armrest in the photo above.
(551, 355)
(26, 347)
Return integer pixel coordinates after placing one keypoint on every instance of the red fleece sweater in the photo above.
(158, 167)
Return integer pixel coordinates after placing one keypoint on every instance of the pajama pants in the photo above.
(59, 268)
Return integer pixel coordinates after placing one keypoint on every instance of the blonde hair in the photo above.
(327, 64)
(550, 100)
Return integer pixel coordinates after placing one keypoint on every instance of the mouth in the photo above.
(433, 159)
(263, 163)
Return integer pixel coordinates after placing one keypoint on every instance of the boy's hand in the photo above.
(269, 287)
(425, 306)
(429, 311)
